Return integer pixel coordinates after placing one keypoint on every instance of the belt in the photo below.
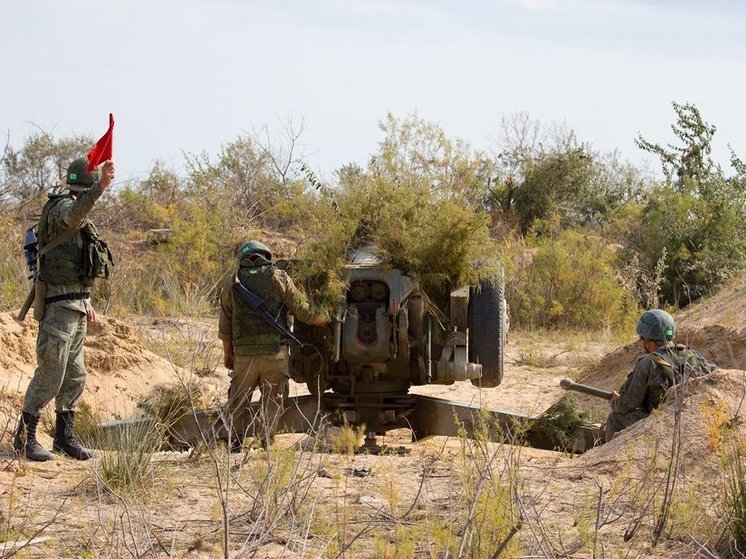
(67, 297)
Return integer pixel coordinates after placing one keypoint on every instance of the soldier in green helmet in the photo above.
(71, 257)
(663, 365)
(255, 352)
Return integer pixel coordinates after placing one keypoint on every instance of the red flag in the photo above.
(104, 148)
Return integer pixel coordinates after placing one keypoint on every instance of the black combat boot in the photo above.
(65, 440)
(25, 441)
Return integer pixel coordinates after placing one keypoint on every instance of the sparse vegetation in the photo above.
(584, 240)
(126, 462)
(735, 494)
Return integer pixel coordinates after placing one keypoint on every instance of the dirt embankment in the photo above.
(715, 327)
(618, 484)
(121, 371)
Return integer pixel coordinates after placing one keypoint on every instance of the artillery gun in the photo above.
(388, 337)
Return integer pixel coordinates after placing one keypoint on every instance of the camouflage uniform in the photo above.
(260, 355)
(646, 385)
(60, 372)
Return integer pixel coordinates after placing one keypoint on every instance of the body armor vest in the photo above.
(81, 257)
(251, 334)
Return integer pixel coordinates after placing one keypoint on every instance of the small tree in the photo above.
(543, 171)
(41, 163)
(697, 217)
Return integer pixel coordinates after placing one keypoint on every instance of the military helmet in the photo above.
(656, 325)
(253, 248)
(78, 179)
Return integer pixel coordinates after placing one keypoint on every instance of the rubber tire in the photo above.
(487, 332)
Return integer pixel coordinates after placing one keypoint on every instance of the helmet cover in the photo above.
(656, 325)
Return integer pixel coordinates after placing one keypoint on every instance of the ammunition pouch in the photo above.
(259, 344)
(97, 258)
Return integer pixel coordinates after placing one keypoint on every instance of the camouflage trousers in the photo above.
(269, 374)
(60, 371)
(615, 422)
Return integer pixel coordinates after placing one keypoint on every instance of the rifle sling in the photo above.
(241, 290)
(58, 240)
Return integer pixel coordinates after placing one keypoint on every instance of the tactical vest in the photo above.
(82, 257)
(251, 334)
(674, 363)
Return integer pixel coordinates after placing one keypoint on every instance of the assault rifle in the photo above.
(257, 305)
(30, 250)
(567, 384)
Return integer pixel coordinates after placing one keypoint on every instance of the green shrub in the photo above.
(566, 280)
(703, 241)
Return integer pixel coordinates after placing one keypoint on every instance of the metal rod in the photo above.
(567, 384)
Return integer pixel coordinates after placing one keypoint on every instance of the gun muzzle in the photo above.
(567, 384)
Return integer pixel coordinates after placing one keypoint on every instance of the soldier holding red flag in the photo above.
(71, 258)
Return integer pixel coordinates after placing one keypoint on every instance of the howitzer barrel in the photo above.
(567, 384)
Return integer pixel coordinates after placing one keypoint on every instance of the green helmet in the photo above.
(78, 179)
(252, 249)
(656, 325)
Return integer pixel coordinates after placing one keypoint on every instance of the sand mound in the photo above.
(712, 410)
(710, 404)
(714, 327)
(121, 371)
(727, 307)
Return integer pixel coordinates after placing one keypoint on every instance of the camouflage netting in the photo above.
(414, 227)
(560, 420)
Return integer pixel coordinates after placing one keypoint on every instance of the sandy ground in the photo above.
(607, 502)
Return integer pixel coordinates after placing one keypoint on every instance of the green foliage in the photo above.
(439, 240)
(565, 280)
(691, 160)
(429, 205)
(560, 420)
(415, 149)
(38, 166)
(150, 203)
(408, 204)
(554, 181)
(703, 242)
(542, 172)
(696, 221)
(249, 183)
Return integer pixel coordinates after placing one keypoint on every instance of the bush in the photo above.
(568, 280)
(696, 218)
(702, 241)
